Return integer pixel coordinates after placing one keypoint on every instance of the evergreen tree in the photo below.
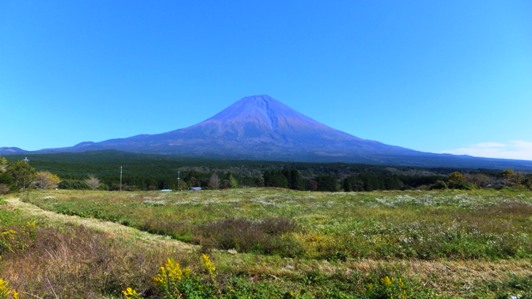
(275, 178)
(327, 183)
(22, 174)
(295, 180)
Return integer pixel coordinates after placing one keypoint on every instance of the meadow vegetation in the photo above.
(271, 243)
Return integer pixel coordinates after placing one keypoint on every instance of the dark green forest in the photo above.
(111, 170)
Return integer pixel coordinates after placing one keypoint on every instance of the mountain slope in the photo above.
(262, 128)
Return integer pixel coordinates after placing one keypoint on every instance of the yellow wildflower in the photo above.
(31, 224)
(208, 264)
(5, 291)
(130, 293)
(9, 234)
(161, 278)
(401, 282)
(170, 272)
(174, 270)
(386, 280)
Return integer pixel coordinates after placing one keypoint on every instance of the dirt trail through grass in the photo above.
(109, 228)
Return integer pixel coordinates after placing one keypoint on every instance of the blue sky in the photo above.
(438, 76)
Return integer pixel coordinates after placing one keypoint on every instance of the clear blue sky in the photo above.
(438, 76)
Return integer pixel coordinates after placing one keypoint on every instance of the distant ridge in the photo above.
(11, 151)
(262, 128)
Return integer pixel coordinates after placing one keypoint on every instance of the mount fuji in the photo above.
(262, 128)
(255, 127)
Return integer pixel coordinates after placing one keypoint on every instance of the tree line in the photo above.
(156, 175)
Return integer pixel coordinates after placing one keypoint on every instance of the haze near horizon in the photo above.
(450, 76)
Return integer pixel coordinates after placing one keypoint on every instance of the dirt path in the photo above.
(111, 229)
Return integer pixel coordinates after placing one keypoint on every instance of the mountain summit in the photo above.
(263, 119)
(262, 128)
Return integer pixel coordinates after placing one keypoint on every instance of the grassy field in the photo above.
(272, 243)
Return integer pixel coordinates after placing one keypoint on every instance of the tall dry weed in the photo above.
(78, 263)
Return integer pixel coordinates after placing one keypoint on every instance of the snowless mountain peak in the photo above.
(262, 110)
(264, 118)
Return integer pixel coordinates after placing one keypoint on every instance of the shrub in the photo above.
(4, 189)
(439, 185)
(263, 236)
(178, 230)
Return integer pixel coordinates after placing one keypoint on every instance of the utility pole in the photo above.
(178, 179)
(120, 177)
(25, 173)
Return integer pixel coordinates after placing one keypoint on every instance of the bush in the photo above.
(4, 189)
(439, 185)
(263, 236)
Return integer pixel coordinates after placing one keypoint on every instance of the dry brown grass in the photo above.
(79, 263)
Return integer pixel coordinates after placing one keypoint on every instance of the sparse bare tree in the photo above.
(194, 182)
(92, 182)
(513, 178)
(480, 180)
(46, 180)
(214, 181)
